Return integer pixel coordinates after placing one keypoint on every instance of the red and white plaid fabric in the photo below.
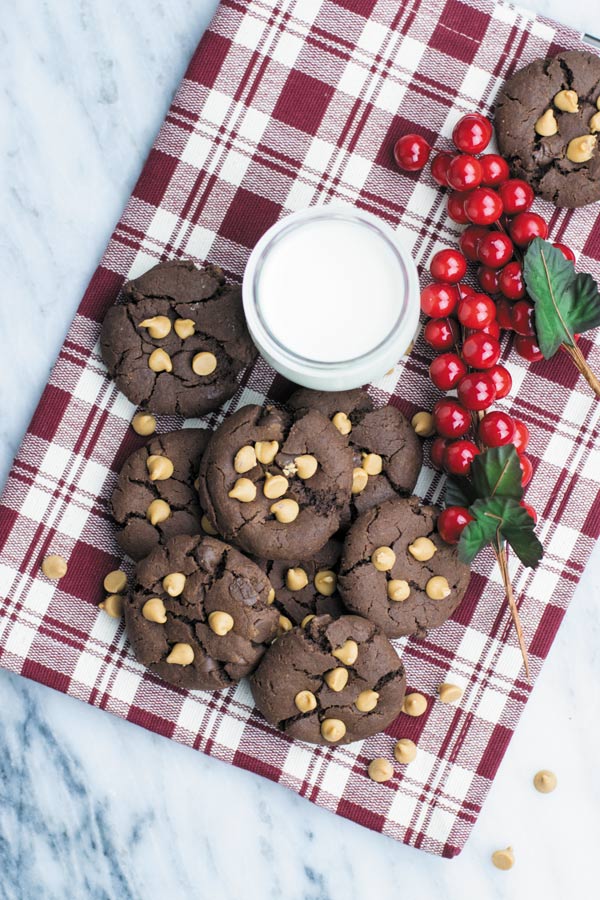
(288, 103)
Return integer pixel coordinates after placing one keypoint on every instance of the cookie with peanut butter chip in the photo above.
(332, 682)
(199, 614)
(397, 571)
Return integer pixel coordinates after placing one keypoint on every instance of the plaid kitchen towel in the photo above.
(288, 103)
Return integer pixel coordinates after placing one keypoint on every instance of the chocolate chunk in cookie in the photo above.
(155, 497)
(547, 122)
(179, 341)
(387, 453)
(332, 682)
(275, 483)
(199, 614)
(397, 571)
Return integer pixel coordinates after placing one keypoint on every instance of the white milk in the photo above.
(331, 297)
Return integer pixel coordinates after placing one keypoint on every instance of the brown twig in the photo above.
(580, 362)
(500, 551)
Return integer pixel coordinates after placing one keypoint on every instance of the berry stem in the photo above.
(581, 364)
(500, 552)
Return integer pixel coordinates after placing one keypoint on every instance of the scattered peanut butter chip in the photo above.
(546, 125)
(306, 466)
(405, 751)
(333, 730)
(305, 701)
(437, 588)
(271, 597)
(160, 468)
(158, 326)
(220, 622)
(567, 101)
(398, 589)
(449, 693)
(383, 558)
(174, 583)
(325, 582)
(158, 511)
(207, 527)
(581, 149)
(414, 704)
(115, 582)
(181, 655)
(204, 363)
(347, 653)
(422, 549)
(154, 610)
(54, 567)
(285, 624)
(504, 859)
(380, 770)
(296, 579)
(143, 424)
(595, 123)
(160, 361)
(342, 423)
(366, 701)
(372, 463)
(545, 781)
(184, 328)
(360, 479)
(245, 459)
(336, 679)
(306, 620)
(275, 486)
(285, 511)
(422, 423)
(243, 490)
(112, 606)
(266, 451)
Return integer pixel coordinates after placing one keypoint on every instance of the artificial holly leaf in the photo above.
(496, 519)
(459, 492)
(497, 473)
(566, 302)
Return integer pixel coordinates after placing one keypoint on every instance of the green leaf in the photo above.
(496, 519)
(566, 302)
(497, 473)
(459, 492)
(477, 535)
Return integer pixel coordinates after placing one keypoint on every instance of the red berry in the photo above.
(502, 381)
(503, 311)
(439, 300)
(465, 290)
(456, 207)
(517, 196)
(483, 206)
(522, 317)
(438, 448)
(494, 168)
(527, 226)
(525, 506)
(481, 351)
(526, 346)
(448, 265)
(472, 133)
(446, 371)
(476, 390)
(566, 251)
(511, 281)
(469, 241)
(492, 329)
(526, 469)
(464, 172)
(439, 168)
(458, 457)
(495, 249)
(496, 428)
(451, 523)
(411, 152)
(521, 436)
(441, 334)
(488, 279)
(451, 419)
(476, 312)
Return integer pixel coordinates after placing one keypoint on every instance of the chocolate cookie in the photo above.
(306, 588)
(179, 341)
(387, 453)
(547, 116)
(155, 497)
(199, 614)
(397, 571)
(274, 483)
(332, 682)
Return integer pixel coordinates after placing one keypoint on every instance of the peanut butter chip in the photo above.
(333, 730)
(159, 468)
(160, 361)
(545, 781)
(366, 701)
(437, 588)
(112, 606)
(158, 511)
(546, 125)
(422, 549)
(405, 751)
(342, 423)
(296, 579)
(245, 459)
(204, 363)
(306, 465)
(325, 582)
(398, 589)
(336, 679)
(158, 326)
(271, 597)
(449, 693)
(285, 511)
(243, 490)
(567, 101)
(174, 583)
(144, 424)
(598, 101)
(414, 704)
(115, 582)
(504, 859)
(181, 655)
(220, 622)
(154, 610)
(305, 701)
(285, 624)
(207, 527)
(595, 123)
(306, 620)
(266, 451)
(422, 423)
(347, 653)
(360, 479)
(184, 328)
(275, 486)
(380, 770)
(383, 558)
(581, 149)
(372, 463)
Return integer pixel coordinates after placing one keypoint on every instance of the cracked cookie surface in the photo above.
(542, 161)
(312, 505)
(135, 490)
(396, 525)
(213, 329)
(385, 432)
(217, 581)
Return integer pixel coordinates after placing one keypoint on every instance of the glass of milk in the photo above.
(331, 297)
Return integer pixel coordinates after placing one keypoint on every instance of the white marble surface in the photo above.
(94, 807)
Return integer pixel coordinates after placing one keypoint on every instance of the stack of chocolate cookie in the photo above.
(285, 545)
